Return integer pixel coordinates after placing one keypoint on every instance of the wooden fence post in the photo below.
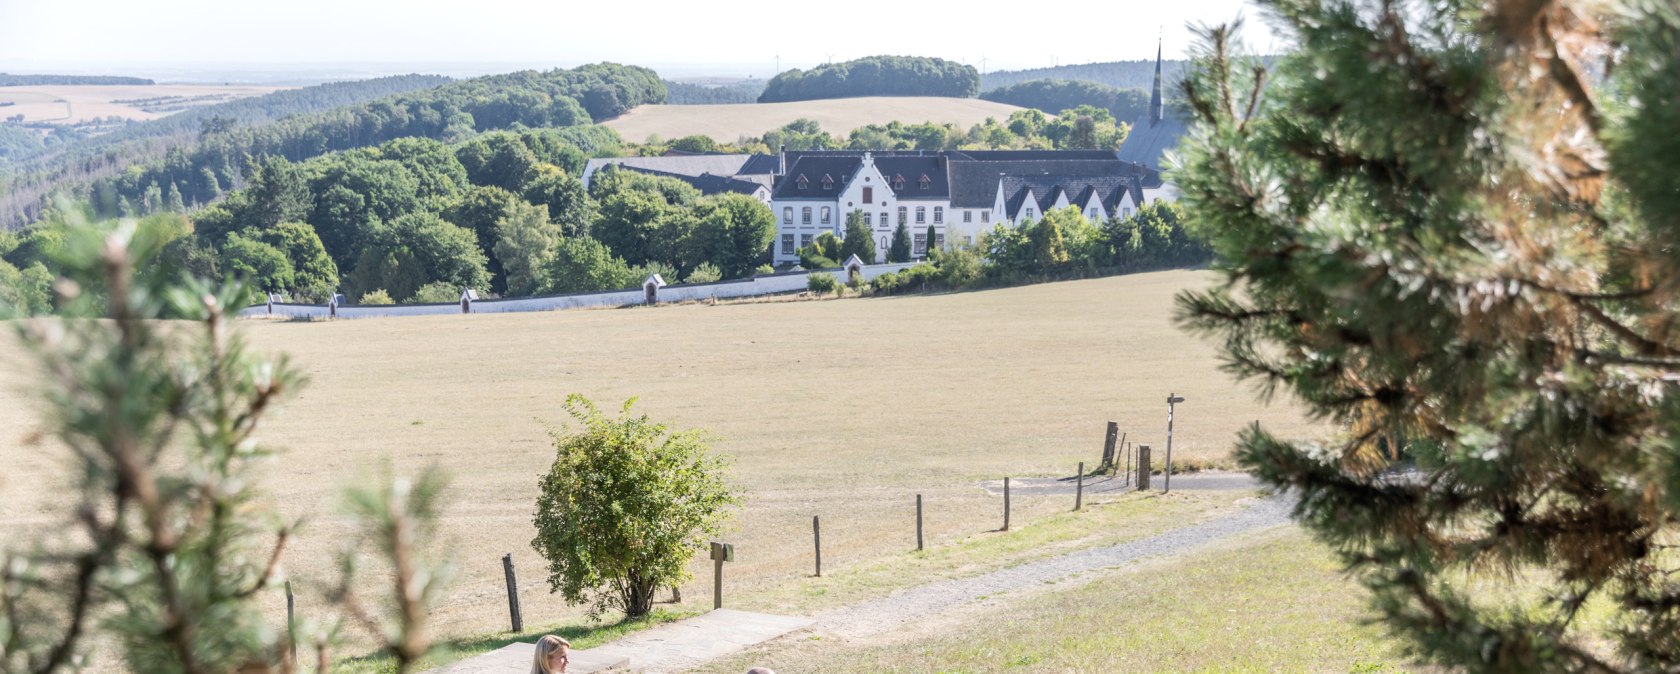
(1123, 448)
(1143, 468)
(513, 593)
(1006, 504)
(1108, 459)
(918, 522)
(291, 621)
(1079, 491)
(816, 538)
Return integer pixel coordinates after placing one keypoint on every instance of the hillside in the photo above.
(837, 116)
(1006, 382)
(1118, 74)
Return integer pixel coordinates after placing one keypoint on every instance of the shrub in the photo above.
(624, 508)
(885, 284)
(436, 292)
(764, 269)
(376, 298)
(820, 283)
(705, 273)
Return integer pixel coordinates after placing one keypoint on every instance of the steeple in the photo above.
(1157, 107)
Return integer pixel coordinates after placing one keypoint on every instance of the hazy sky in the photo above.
(132, 35)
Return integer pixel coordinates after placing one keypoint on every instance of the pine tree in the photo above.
(899, 250)
(172, 200)
(1452, 232)
(932, 241)
(859, 241)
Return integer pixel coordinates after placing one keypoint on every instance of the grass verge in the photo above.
(581, 635)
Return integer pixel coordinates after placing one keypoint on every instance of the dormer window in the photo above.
(828, 182)
(803, 183)
(925, 181)
(898, 182)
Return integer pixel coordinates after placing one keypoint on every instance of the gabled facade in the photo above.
(960, 194)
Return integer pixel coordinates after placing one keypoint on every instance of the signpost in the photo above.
(1167, 482)
(721, 552)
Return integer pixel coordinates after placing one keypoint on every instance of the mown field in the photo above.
(67, 104)
(843, 408)
(727, 123)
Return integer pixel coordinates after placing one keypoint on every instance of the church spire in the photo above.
(1157, 107)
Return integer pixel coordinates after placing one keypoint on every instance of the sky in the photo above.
(717, 37)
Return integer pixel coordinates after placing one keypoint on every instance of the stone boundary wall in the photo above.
(769, 284)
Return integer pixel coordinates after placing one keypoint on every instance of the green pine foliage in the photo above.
(899, 249)
(859, 240)
(1452, 232)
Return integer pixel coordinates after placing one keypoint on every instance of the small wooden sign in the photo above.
(723, 552)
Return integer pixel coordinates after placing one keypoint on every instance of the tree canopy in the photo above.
(875, 76)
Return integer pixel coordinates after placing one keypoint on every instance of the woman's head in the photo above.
(551, 656)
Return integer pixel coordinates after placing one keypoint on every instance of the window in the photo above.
(804, 240)
(826, 215)
(898, 183)
(805, 215)
(868, 219)
(803, 183)
(828, 182)
(1125, 212)
(924, 182)
(968, 216)
(968, 240)
(921, 214)
(903, 215)
(787, 215)
(884, 223)
(938, 214)
(938, 240)
(1030, 214)
(920, 245)
(1091, 213)
(868, 195)
(884, 244)
(787, 244)
(985, 216)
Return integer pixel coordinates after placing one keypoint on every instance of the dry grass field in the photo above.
(843, 408)
(67, 104)
(837, 116)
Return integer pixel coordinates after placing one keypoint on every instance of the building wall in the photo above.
(753, 287)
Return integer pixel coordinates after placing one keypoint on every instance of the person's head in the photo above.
(552, 655)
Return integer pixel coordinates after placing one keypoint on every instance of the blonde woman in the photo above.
(552, 656)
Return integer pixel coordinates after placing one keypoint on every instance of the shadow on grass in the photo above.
(581, 635)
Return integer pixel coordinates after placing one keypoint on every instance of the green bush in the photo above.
(436, 292)
(376, 298)
(821, 283)
(705, 273)
(625, 506)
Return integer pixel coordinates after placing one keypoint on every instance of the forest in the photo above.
(1053, 96)
(1118, 74)
(204, 170)
(9, 80)
(685, 93)
(875, 76)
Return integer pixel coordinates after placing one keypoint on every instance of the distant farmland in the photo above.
(729, 123)
(73, 104)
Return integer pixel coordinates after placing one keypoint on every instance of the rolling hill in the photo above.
(728, 123)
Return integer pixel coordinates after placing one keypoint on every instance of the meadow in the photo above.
(727, 123)
(70, 104)
(839, 408)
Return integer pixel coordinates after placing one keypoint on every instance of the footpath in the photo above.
(689, 643)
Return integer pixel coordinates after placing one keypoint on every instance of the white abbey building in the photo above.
(959, 193)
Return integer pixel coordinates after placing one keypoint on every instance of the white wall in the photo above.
(753, 287)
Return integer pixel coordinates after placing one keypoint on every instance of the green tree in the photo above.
(1451, 232)
(932, 238)
(479, 209)
(416, 250)
(499, 160)
(733, 232)
(582, 264)
(261, 265)
(525, 242)
(899, 249)
(376, 297)
(625, 506)
(315, 275)
(1049, 246)
(436, 292)
(277, 192)
(859, 240)
(706, 272)
(569, 205)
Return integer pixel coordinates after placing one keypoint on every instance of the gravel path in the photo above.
(1040, 486)
(905, 606)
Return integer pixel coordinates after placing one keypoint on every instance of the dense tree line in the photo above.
(417, 220)
(875, 76)
(9, 80)
(683, 93)
(1118, 74)
(1083, 128)
(1053, 96)
(205, 170)
(1062, 244)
